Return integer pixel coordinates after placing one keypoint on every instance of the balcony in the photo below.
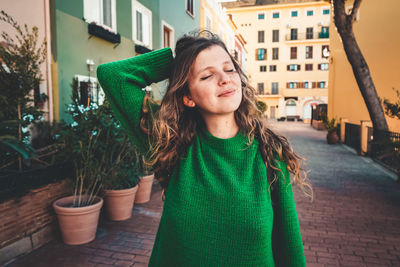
(307, 36)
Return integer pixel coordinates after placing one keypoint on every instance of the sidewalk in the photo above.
(354, 219)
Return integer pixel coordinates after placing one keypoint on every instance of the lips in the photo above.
(227, 93)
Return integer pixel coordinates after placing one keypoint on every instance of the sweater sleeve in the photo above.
(286, 238)
(122, 82)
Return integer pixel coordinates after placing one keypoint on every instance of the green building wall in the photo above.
(74, 45)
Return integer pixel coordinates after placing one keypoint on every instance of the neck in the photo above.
(221, 126)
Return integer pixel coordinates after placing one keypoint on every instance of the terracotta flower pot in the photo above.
(332, 138)
(119, 203)
(144, 191)
(78, 225)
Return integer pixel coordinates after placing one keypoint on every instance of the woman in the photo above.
(228, 196)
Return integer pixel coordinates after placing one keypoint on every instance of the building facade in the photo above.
(34, 13)
(215, 19)
(87, 33)
(290, 47)
(379, 41)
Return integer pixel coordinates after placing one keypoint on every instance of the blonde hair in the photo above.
(175, 125)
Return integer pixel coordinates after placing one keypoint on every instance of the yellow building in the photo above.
(214, 18)
(379, 40)
(288, 47)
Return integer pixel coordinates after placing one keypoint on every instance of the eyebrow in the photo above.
(210, 67)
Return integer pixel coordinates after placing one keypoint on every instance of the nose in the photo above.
(223, 78)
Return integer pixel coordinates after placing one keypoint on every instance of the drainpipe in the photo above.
(50, 106)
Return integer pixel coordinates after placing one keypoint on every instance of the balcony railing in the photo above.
(307, 36)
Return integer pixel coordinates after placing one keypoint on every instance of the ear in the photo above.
(188, 101)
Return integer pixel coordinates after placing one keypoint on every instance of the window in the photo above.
(272, 68)
(309, 67)
(325, 51)
(309, 85)
(309, 52)
(88, 91)
(275, 36)
(310, 33)
(293, 52)
(261, 16)
(291, 85)
(325, 12)
(101, 12)
(322, 84)
(275, 53)
(263, 68)
(261, 54)
(190, 7)
(260, 88)
(275, 88)
(294, 13)
(310, 12)
(293, 34)
(293, 67)
(261, 36)
(324, 32)
(323, 66)
(168, 35)
(275, 15)
(141, 25)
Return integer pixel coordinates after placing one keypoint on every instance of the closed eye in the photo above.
(232, 70)
(205, 77)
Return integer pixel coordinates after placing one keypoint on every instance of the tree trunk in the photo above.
(344, 25)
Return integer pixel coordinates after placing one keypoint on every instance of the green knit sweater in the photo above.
(218, 210)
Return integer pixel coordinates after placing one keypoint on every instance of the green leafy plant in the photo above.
(103, 156)
(330, 124)
(392, 109)
(261, 106)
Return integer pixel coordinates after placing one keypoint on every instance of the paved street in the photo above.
(354, 219)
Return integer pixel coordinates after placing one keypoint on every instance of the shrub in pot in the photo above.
(332, 127)
(83, 139)
(121, 182)
(145, 184)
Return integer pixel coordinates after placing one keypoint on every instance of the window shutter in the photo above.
(319, 66)
(287, 85)
(256, 54)
(314, 84)
(298, 67)
(265, 54)
(288, 67)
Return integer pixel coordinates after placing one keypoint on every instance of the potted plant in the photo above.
(332, 127)
(121, 177)
(145, 184)
(83, 139)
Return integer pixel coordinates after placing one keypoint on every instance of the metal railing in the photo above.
(353, 136)
(384, 146)
(306, 36)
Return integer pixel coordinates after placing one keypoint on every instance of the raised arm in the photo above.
(286, 238)
(122, 82)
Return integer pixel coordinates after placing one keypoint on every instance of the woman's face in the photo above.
(214, 83)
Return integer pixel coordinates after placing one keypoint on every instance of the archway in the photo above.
(291, 108)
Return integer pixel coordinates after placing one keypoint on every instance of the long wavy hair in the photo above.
(175, 125)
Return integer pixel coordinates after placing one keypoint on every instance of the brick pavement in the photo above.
(354, 219)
